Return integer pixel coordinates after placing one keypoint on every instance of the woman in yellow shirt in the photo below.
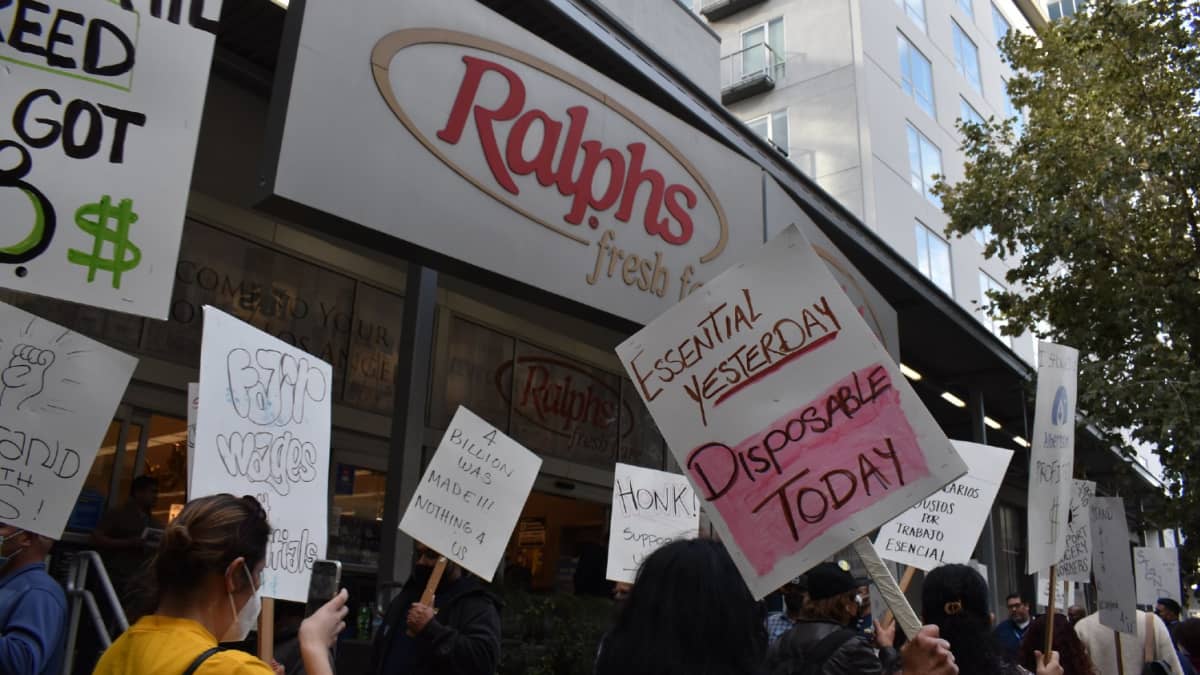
(208, 572)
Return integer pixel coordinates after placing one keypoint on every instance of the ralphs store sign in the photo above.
(426, 121)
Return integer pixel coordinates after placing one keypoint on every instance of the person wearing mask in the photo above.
(690, 612)
(459, 635)
(1099, 641)
(954, 598)
(207, 574)
(1073, 654)
(1011, 631)
(121, 542)
(866, 623)
(778, 623)
(33, 608)
(1075, 613)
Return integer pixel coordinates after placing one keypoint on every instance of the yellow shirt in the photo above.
(162, 645)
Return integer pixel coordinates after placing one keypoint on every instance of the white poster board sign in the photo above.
(1156, 574)
(1112, 565)
(471, 495)
(193, 407)
(1052, 457)
(1076, 563)
(1064, 593)
(58, 393)
(265, 432)
(944, 527)
(781, 406)
(99, 111)
(650, 508)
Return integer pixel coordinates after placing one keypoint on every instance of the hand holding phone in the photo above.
(323, 585)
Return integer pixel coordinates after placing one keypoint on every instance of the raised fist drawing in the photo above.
(25, 375)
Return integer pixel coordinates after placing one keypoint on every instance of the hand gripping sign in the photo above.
(785, 412)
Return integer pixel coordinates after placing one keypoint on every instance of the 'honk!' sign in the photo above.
(785, 412)
(650, 508)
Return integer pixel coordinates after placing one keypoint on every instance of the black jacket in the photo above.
(463, 639)
(854, 657)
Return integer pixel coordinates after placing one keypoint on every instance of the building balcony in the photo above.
(749, 72)
(715, 10)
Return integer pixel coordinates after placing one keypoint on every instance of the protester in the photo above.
(121, 542)
(1099, 640)
(463, 638)
(866, 622)
(954, 598)
(1010, 632)
(1073, 654)
(1075, 613)
(1168, 610)
(1187, 635)
(827, 634)
(794, 593)
(207, 574)
(33, 608)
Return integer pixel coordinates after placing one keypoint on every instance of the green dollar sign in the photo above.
(94, 219)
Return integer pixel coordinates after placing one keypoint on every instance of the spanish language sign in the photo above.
(944, 527)
(1076, 563)
(650, 508)
(264, 431)
(471, 495)
(99, 111)
(1052, 458)
(1156, 574)
(786, 413)
(58, 393)
(1111, 565)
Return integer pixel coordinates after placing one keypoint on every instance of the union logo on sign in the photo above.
(1060, 411)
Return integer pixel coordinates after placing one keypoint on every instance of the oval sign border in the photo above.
(391, 44)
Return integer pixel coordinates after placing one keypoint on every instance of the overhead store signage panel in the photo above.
(523, 162)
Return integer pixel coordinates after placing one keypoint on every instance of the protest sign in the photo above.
(100, 109)
(58, 393)
(193, 405)
(1112, 566)
(944, 527)
(1064, 593)
(265, 432)
(786, 413)
(650, 508)
(471, 495)
(1156, 574)
(1076, 563)
(1052, 457)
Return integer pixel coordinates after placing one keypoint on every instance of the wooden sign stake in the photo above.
(905, 581)
(1049, 644)
(431, 586)
(886, 583)
(266, 631)
(1120, 658)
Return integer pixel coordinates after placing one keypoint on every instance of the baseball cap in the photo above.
(828, 580)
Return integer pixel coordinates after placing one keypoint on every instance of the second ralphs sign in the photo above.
(446, 126)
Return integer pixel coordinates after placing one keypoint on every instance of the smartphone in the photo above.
(324, 584)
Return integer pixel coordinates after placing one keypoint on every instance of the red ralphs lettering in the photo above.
(561, 397)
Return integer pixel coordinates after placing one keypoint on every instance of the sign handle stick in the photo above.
(1120, 658)
(431, 586)
(1049, 644)
(886, 583)
(905, 580)
(266, 631)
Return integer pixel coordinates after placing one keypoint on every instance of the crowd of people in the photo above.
(688, 612)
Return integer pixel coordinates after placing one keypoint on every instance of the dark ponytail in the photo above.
(208, 535)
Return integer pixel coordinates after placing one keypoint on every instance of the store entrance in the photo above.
(560, 545)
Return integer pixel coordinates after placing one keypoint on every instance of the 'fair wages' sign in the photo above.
(1111, 565)
(786, 413)
(944, 527)
(471, 495)
(1052, 458)
(265, 432)
(58, 393)
(650, 508)
(1156, 573)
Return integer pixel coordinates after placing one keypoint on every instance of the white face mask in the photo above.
(243, 621)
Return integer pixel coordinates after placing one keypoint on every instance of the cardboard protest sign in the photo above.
(265, 432)
(1156, 574)
(944, 527)
(1052, 457)
(1076, 563)
(650, 508)
(193, 406)
(471, 495)
(99, 112)
(1064, 593)
(1112, 565)
(785, 412)
(58, 393)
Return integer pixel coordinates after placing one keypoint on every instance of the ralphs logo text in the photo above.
(556, 150)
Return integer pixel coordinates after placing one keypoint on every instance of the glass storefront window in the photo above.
(166, 461)
(472, 372)
(559, 544)
(95, 496)
(358, 494)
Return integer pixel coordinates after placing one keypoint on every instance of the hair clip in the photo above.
(953, 607)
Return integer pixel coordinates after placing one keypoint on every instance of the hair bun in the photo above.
(177, 537)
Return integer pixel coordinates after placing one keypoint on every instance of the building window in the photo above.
(933, 258)
(967, 7)
(984, 235)
(968, 113)
(999, 23)
(966, 57)
(772, 128)
(915, 9)
(916, 75)
(1062, 9)
(755, 61)
(1010, 550)
(1011, 110)
(924, 162)
(987, 314)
